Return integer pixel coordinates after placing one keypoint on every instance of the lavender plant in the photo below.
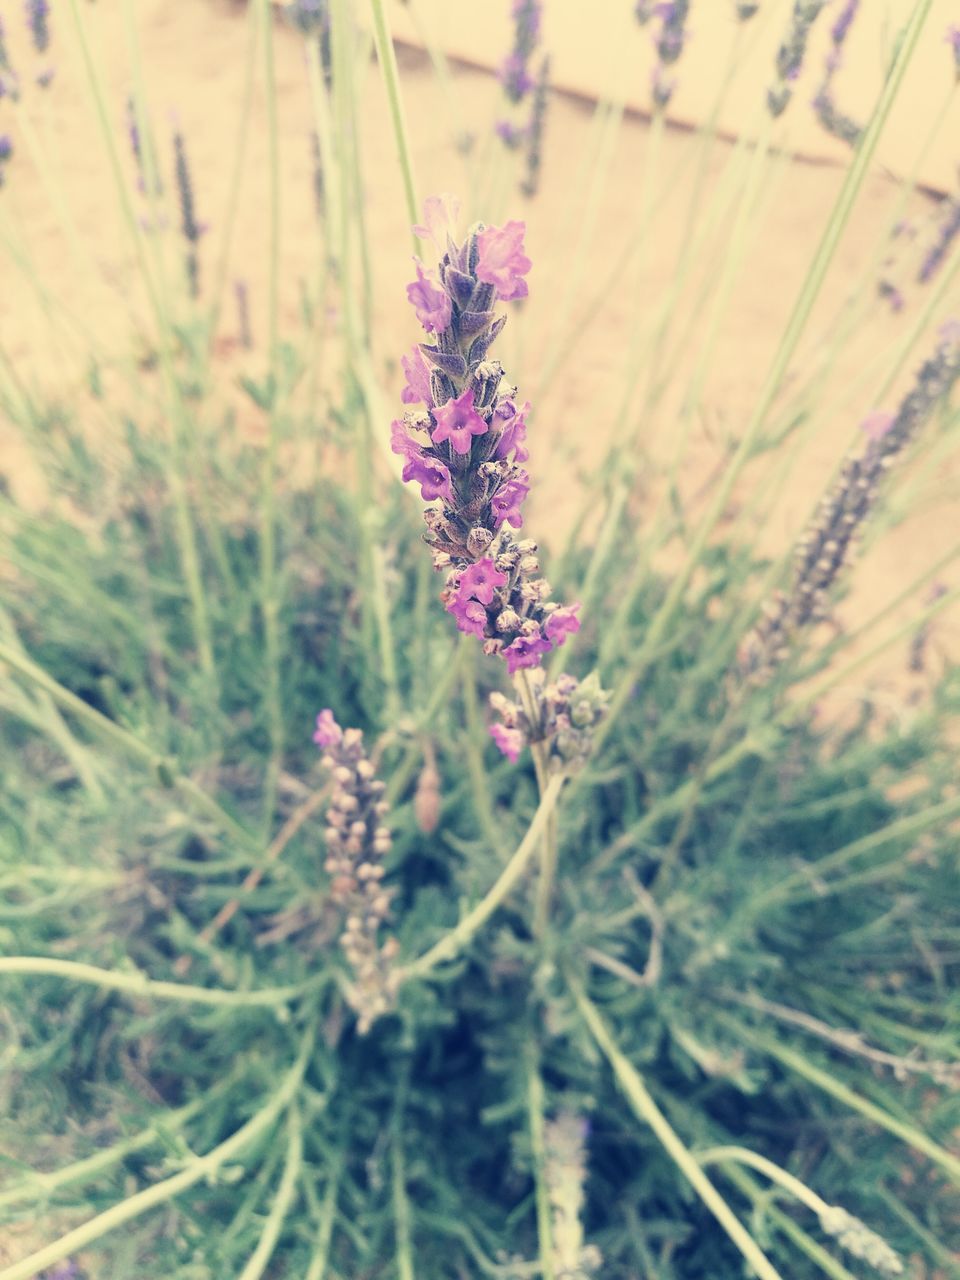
(270, 1011)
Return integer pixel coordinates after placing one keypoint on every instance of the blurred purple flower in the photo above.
(501, 260)
(429, 301)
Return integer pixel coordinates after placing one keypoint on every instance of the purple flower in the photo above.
(457, 421)
(432, 477)
(505, 503)
(510, 741)
(953, 39)
(480, 580)
(440, 214)
(37, 12)
(513, 433)
(511, 134)
(417, 372)
(561, 623)
(526, 651)
(6, 148)
(514, 76)
(431, 304)
(501, 260)
(842, 25)
(470, 615)
(328, 732)
(402, 442)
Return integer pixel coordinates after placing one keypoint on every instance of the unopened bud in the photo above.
(478, 540)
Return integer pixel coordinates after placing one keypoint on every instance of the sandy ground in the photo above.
(60, 226)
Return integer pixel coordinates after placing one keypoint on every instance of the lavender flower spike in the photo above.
(465, 446)
(826, 547)
(38, 11)
(357, 841)
(791, 53)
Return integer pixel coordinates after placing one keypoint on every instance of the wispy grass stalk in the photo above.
(188, 544)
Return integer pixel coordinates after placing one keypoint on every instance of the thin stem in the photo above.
(401, 1201)
(647, 1111)
(137, 984)
(479, 781)
(548, 846)
(829, 1083)
(387, 58)
(452, 943)
(798, 1189)
(317, 1269)
(535, 1109)
(165, 1191)
(269, 595)
(286, 1192)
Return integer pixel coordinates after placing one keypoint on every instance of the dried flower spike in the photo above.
(465, 447)
(857, 1238)
(357, 842)
(826, 547)
(565, 1173)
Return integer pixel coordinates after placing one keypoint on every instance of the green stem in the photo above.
(401, 1201)
(270, 602)
(236, 179)
(479, 780)
(387, 58)
(162, 1192)
(799, 1190)
(647, 1111)
(535, 1109)
(548, 846)
(828, 1083)
(317, 1269)
(452, 943)
(137, 984)
(280, 1209)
